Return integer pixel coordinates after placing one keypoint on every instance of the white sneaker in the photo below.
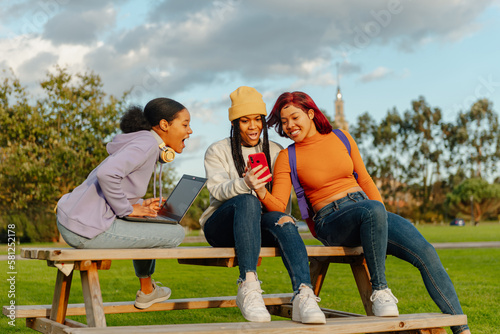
(384, 303)
(250, 302)
(305, 307)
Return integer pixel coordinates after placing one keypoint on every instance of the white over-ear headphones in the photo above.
(167, 154)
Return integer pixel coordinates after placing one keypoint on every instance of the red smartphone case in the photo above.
(257, 159)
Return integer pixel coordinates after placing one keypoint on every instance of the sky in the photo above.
(383, 54)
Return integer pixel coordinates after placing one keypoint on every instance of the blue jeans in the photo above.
(240, 223)
(406, 242)
(355, 220)
(126, 234)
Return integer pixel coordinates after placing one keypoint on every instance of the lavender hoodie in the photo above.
(111, 189)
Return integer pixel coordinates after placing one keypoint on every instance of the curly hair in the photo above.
(135, 119)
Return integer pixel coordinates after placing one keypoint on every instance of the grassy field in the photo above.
(474, 272)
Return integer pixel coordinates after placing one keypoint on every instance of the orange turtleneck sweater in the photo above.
(324, 168)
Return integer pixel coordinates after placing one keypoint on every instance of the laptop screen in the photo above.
(182, 197)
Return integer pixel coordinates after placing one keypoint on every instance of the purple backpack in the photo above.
(305, 207)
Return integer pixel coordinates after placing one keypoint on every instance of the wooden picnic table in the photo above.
(53, 318)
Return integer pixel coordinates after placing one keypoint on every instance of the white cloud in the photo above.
(32, 58)
(206, 110)
(79, 27)
(320, 79)
(195, 43)
(377, 74)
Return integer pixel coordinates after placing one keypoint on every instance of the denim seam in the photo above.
(428, 274)
(214, 216)
(375, 262)
(234, 206)
(292, 276)
(351, 197)
(129, 237)
(112, 236)
(347, 210)
(372, 237)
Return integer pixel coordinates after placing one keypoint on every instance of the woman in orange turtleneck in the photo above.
(350, 212)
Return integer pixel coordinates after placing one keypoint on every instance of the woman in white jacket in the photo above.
(235, 217)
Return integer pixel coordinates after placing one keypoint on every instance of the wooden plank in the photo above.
(318, 268)
(71, 254)
(100, 265)
(61, 297)
(46, 326)
(92, 297)
(370, 324)
(37, 311)
(362, 278)
(285, 311)
(228, 262)
(73, 323)
(419, 331)
(339, 314)
(432, 331)
(221, 262)
(84, 265)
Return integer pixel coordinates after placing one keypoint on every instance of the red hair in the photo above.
(305, 103)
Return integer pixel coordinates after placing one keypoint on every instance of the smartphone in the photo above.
(257, 159)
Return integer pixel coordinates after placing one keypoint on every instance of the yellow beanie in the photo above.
(246, 101)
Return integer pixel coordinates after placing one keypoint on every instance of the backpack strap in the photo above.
(306, 210)
(347, 144)
(299, 191)
(343, 138)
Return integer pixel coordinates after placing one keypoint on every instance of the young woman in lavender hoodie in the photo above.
(90, 215)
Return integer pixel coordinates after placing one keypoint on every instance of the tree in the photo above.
(418, 159)
(422, 137)
(49, 146)
(474, 141)
(363, 133)
(200, 204)
(390, 151)
(485, 198)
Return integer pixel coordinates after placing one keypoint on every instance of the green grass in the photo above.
(468, 233)
(474, 272)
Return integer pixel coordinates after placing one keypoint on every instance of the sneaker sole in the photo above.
(258, 319)
(387, 313)
(263, 318)
(311, 320)
(154, 301)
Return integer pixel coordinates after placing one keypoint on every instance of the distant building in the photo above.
(339, 119)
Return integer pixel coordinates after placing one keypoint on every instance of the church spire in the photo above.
(340, 120)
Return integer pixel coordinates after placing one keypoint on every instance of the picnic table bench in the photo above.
(52, 318)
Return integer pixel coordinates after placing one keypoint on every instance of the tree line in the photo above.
(426, 169)
(429, 169)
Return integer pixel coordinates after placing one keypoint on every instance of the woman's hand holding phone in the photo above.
(259, 159)
(257, 173)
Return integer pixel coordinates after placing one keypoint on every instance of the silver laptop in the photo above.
(178, 202)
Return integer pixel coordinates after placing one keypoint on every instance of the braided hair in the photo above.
(237, 153)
